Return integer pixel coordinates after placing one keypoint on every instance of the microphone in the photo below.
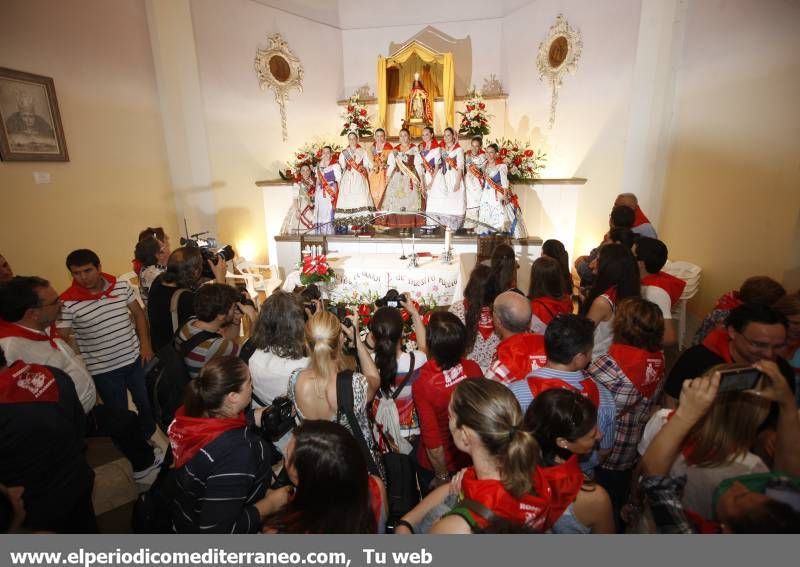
(402, 248)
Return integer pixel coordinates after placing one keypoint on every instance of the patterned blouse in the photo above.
(483, 350)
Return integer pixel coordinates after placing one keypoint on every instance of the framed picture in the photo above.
(30, 124)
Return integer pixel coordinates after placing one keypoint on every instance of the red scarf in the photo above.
(669, 283)
(546, 308)
(522, 354)
(555, 489)
(643, 368)
(13, 330)
(729, 301)
(485, 324)
(538, 385)
(718, 342)
(23, 383)
(187, 435)
(399, 149)
(76, 292)
(639, 217)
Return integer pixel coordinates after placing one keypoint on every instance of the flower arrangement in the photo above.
(355, 118)
(475, 119)
(315, 269)
(522, 161)
(308, 154)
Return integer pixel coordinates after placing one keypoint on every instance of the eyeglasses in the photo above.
(57, 301)
(758, 344)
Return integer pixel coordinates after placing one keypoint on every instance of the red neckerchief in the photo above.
(351, 162)
(521, 354)
(546, 308)
(701, 525)
(611, 294)
(397, 147)
(23, 383)
(485, 323)
(565, 481)
(13, 330)
(718, 342)
(187, 435)
(77, 293)
(137, 266)
(643, 368)
(532, 510)
(669, 283)
(729, 301)
(375, 503)
(538, 385)
(639, 217)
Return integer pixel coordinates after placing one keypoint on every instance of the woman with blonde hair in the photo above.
(314, 389)
(718, 445)
(505, 480)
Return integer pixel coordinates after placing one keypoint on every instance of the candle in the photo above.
(448, 236)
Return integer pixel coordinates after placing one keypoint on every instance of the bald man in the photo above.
(641, 224)
(520, 351)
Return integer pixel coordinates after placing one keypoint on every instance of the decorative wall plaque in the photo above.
(278, 69)
(558, 55)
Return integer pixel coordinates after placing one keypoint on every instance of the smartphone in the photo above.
(738, 379)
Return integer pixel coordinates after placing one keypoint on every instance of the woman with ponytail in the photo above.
(314, 389)
(564, 424)
(222, 466)
(394, 367)
(504, 481)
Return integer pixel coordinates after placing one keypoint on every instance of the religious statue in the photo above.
(418, 104)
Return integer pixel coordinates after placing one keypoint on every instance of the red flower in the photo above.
(516, 149)
(528, 153)
(322, 269)
(503, 152)
(349, 108)
(364, 310)
(412, 336)
(470, 108)
(517, 160)
(363, 112)
(405, 315)
(481, 106)
(427, 318)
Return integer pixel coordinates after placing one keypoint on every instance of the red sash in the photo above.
(326, 187)
(428, 167)
(539, 385)
(718, 342)
(13, 330)
(546, 308)
(729, 301)
(669, 283)
(187, 435)
(451, 163)
(359, 167)
(639, 217)
(476, 173)
(78, 293)
(643, 368)
(522, 354)
(496, 186)
(23, 383)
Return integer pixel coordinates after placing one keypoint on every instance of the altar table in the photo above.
(365, 277)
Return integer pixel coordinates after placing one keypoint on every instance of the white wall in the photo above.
(243, 122)
(588, 138)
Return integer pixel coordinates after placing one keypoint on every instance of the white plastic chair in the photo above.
(133, 281)
(265, 277)
(690, 273)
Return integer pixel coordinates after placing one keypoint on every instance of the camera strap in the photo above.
(407, 378)
(173, 308)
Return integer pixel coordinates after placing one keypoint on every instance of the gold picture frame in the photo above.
(558, 55)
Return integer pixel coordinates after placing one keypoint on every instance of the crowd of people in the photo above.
(552, 411)
(408, 185)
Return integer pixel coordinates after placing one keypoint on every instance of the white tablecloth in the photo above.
(366, 277)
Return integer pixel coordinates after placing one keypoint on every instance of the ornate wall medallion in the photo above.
(558, 54)
(278, 69)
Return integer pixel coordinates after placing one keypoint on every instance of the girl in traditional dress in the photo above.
(446, 198)
(300, 217)
(328, 176)
(355, 203)
(475, 163)
(381, 150)
(404, 190)
(429, 159)
(499, 206)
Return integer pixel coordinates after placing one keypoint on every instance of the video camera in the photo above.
(209, 250)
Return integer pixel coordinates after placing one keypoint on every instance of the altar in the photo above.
(362, 278)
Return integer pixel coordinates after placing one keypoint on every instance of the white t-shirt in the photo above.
(271, 374)
(63, 358)
(660, 297)
(700, 481)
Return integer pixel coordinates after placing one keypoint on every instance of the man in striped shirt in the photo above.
(99, 308)
(218, 310)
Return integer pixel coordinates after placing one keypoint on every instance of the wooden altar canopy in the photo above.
(427, 55)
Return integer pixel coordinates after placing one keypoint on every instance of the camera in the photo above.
(277, 419)
(391, 299)
(209, 251)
